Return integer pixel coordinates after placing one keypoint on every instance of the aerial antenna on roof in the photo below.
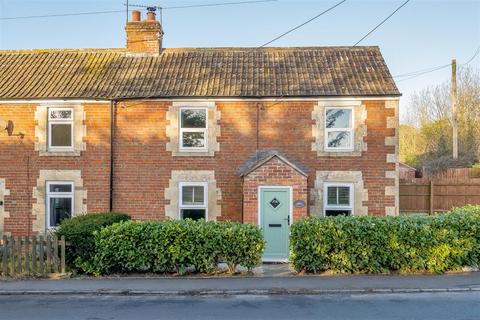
(160, 8)
(126, 8)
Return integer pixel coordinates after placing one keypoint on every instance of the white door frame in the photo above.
(259, 214)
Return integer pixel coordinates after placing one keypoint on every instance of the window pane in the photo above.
(187, 195)
(60, 188)
(332, 196)
(333, 213)
(198, 195)
(60, 209)
(61, 135)
(194, 214)
(192, 195)
(194, 118)
(61, 114)
(193, 139)
(343, 195)
(339, 139)
(338, 118)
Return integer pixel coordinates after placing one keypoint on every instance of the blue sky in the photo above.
(421, 35)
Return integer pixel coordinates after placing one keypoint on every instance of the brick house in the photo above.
(258, 135)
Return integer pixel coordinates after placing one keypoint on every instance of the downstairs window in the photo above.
(59, 202)
(338, 199)
(193, 200)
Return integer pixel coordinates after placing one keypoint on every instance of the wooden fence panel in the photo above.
(453, 174)
(31, 255)
(423, 195)
(414, 197)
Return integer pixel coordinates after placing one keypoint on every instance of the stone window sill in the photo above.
(193, 154)
(60, 154)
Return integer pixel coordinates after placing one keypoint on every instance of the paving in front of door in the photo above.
(267, 270)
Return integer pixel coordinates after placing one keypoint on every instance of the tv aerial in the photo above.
(200, 5)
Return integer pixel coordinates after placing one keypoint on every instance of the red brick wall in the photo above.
(20, 163)
(143, 166)
(273, 173)
(144, 37)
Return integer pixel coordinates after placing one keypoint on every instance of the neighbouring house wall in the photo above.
(144, 165)
(20, 163)
(406, 172)
(41, 131)
(3, 214)
(39, 194)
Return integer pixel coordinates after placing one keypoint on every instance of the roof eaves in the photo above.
(267, 159)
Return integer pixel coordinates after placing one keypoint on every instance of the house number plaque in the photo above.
(299, 204)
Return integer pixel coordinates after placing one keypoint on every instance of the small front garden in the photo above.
(162, 247)
(405, 244)
(110, 243)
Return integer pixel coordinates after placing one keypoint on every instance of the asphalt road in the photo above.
(425, 306)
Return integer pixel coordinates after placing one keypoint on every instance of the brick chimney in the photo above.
(144, 36)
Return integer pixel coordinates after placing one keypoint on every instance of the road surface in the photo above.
(425, 306)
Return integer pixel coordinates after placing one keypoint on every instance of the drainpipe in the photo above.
(258, 131)
(112, 132)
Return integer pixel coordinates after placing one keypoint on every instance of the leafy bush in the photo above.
(476, 170)
(173, 246)
(384, 244)
(78, 232)
(240, 244)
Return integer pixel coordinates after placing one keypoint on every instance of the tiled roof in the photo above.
(262, 157)
(195, 72)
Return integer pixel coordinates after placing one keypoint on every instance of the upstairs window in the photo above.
(339, 129)
(193, 200)
(338, 199)
(193, 129)
(59, 202)
(60, 129)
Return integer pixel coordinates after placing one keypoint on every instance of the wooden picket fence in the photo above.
(33, 256)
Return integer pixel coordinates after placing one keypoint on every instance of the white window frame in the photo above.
(326, 206)
(180, 198)
(70, 121)
(49, 195)
(351, 130)
(182, 130)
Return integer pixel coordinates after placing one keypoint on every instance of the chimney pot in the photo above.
(151, 14)
(136, 15)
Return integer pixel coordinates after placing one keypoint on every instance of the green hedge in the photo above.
(385, 244)
(78, 232)
(173, 246)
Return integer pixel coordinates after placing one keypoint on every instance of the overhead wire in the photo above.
(302, 24)
(382, 22)
(62, 15)
(68, 14)
(415, 74)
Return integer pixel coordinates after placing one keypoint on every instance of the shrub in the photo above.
(475, 170)
(384, 244)
(174, 246)
(78, 232)
(240, 244)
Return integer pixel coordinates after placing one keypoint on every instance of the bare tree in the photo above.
(429, 114)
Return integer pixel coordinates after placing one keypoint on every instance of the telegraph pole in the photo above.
(454, 109)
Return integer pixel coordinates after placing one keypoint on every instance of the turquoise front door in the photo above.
(274, 213)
